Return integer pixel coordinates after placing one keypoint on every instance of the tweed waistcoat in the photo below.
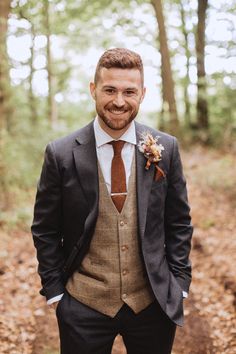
(112, 273)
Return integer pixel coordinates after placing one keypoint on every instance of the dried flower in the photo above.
(152, 151)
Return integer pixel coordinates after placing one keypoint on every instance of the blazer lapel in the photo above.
(144, 183)
(86, 164)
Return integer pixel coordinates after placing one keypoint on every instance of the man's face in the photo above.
(118, 94)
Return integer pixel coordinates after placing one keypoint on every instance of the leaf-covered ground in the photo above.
(28, 326)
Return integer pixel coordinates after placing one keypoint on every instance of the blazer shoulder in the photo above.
(62, 148)
(67, 143)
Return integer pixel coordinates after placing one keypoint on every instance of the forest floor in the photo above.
(28, 326)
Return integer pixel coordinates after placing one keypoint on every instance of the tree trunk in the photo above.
(5, 96)
(4, 69)
(32, 99)
(31, 96)
(202, 107)
(188, 55)
(52, 111)
(169, 103)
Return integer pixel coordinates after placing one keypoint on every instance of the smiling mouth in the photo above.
(116, 112)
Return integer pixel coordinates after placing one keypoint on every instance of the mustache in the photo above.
(119, 109)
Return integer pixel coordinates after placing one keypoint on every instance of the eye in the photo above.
(109, 91)
(129, 92)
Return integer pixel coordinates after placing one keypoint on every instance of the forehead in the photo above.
(116, 77)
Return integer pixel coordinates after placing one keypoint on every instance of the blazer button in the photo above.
(122, 223)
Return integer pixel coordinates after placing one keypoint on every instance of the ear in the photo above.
(143, 94)
(92, 89)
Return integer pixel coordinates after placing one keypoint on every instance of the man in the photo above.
(111, 223)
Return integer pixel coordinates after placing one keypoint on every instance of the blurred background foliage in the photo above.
(49, 50)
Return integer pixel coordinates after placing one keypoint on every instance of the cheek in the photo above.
(135, 103)
(101, 102)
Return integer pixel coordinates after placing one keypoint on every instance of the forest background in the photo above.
(48, 53)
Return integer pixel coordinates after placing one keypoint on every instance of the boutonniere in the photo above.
(152, 151)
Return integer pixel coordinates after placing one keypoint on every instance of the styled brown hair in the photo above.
(121, 58)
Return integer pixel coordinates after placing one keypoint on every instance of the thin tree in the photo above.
(168, 94)
(5, 96)
(186, 82)
(202, 107)
(31, 97)
(52, 111)
(4, 69)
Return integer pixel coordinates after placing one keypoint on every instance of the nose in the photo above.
(119, 100)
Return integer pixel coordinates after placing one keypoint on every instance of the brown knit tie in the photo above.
(118, 178)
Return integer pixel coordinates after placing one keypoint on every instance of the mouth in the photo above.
(117, 112)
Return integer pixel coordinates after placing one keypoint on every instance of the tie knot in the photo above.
(117, 146)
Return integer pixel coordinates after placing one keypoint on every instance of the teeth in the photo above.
(117, 112)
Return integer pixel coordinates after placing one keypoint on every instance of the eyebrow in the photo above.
(115, 88)
(108, 86)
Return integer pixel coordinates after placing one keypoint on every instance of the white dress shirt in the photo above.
(105, 151)
(105, 154)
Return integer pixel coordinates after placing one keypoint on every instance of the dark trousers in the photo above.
(86, 331)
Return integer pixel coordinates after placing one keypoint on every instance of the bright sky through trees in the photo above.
(218, 29)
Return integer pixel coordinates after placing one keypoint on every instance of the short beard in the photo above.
(117, 124)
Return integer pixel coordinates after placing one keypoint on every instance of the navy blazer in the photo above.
(66, 210)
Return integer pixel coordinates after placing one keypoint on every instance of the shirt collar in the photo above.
(103, 138)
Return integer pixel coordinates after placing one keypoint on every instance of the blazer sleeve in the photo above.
(178, 228)
(46, 227)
